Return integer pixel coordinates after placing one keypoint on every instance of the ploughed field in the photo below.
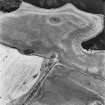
(43, 62)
